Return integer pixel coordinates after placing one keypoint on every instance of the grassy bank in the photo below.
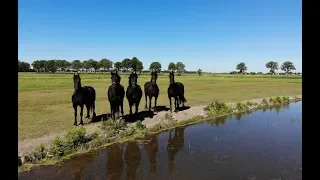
(109, 132)
(45, 99)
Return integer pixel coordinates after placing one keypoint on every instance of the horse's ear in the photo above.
(116, 72)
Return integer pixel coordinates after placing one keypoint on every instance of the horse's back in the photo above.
(181, 87)
(89, 93)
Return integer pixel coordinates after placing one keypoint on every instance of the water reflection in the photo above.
(78, 166)
(240, 115)
(114, 162)
(132, 158)
(152, 148)
(219, 120)
(175, 143)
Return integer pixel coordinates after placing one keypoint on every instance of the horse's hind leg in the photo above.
(93, 110)
(75, 114)
(81, 114)
(88, 111)
(176, 104)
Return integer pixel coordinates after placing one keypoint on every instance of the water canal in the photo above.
(266, 144)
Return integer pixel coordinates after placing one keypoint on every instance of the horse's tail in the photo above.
(183, 99)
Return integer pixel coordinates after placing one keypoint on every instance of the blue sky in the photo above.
(214, 35)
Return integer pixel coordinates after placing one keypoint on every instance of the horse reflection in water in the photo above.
(78, 165)
(175, 143)
(133, 158)
(152, 148)
(114, 162)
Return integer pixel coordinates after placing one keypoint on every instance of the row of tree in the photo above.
(287, 66)
(128, 65)
(93, 65)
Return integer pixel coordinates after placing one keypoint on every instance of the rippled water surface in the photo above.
(266, 144)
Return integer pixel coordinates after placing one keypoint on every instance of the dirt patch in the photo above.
(28, 145)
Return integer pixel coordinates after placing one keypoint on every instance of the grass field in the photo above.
(45, 99)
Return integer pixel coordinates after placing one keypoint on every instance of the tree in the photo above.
(86, 65)
(172, 66)
(76, 64)
(241, 67)
(65, 64)
(136, 64)
(199, 72)
(180, 67)
(288, 67)
(126, 64)
(139, 66)
(105, 63)
(51, 66)
(92, 64)
(23, 66)
(36, 65)
(272, 66)
(156, 66)
(43, 65)
(118, 65)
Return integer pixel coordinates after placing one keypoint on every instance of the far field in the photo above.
(45, 99)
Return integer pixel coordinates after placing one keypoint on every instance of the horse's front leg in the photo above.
(111, 112)
(137, 107)
(145, 107)
(150, 98)
(81, 114)
(170, 102)
(175, 104)
(75, 114)
(121, 108)
(130, 107)
(155, 103)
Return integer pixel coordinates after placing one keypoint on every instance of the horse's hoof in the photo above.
(80, 124)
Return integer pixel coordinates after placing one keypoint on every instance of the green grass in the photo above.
(45, 99)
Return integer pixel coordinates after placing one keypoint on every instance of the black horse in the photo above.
(176, 90)
(151, 89)
(134, 92)
(81, 96)
(116, 95)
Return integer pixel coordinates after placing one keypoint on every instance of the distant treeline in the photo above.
(133, 64)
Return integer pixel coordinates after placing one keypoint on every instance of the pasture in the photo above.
(45, 99)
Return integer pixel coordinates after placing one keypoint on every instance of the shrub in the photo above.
(264, 102)
(139, 125)
(249, 103)
(285, 99)
(76, 137)
(218, 108)
(240, 106)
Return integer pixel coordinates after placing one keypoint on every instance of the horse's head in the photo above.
(76, 81)
(154, 77)
(133, 79)
(171, 77)
(115, 78)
